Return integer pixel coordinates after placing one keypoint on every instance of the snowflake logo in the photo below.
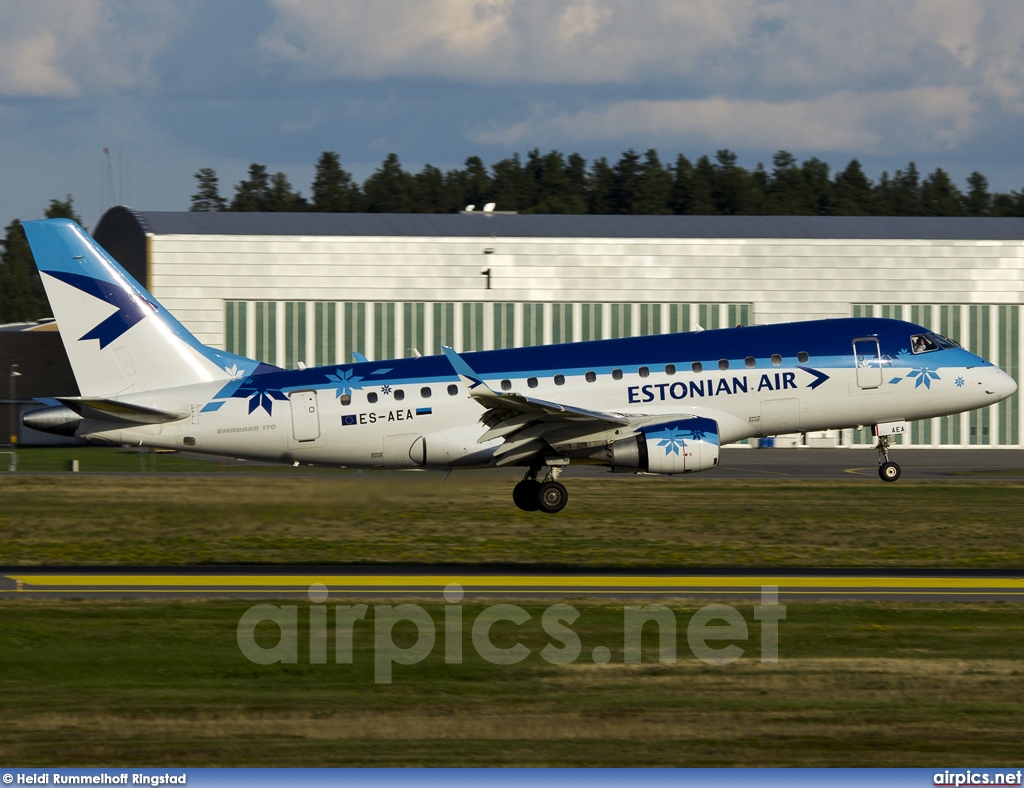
(234, 372)
(923, 376)
(258, 394)
(672, 441)
(385, 389)
(345, 381)
(959, 382)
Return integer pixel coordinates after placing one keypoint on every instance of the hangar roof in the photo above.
(479, 225)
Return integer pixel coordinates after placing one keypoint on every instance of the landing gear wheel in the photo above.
(526, 495)
(553, 497)
(889, 471)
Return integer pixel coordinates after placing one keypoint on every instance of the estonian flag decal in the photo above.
(423, 411)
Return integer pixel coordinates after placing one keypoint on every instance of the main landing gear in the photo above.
(548, 496)
(888, 471)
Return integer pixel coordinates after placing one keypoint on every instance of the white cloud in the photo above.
(50, 48)
(929, 118)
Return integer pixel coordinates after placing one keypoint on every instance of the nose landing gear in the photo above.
(549, 496)
(888, 471)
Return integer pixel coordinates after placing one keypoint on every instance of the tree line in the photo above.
(635, 184)
(21, 292)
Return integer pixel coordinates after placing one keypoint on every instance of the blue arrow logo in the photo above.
(819, 377)
(131, 307)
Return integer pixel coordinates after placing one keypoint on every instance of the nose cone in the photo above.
(1003, 386)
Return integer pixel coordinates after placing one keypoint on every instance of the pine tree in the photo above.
(654, 186)
(389, 189)
(282, 198)
(334, 191)
(940, 196)
(853, 193)
(978, 201)
(251, 195)
(207, 197)
(21, 291)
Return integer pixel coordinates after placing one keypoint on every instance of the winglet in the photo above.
(462, 369)
(359, 357)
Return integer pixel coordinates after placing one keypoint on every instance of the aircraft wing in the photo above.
(529, 425)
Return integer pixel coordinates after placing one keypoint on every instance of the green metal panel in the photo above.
(504, 326)
(266, 331)
(1009, 360)
(235, 325)
(355, 330)
(979, 343)
(294, 333)
(383, 331)
(708, 316)
(561, 323)
(678, 318)
(533, 324)
(325, 325)
(593, 324)
(949, 321)
(863, 310)
(739, 314)
(472, 327)
(444, 326)
(413, 327)
(650, 319)
(622, 320)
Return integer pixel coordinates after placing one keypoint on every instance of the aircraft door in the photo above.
(305, 418)
(867, 357)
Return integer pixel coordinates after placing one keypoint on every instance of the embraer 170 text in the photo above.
(654, 404)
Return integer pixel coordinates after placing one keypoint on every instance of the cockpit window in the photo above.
(923, 343)
(943, 342)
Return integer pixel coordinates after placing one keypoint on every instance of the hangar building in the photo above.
(314, 288)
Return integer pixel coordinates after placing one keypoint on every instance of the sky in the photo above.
(170, 86)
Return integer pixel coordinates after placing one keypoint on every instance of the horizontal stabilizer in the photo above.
(112, 410)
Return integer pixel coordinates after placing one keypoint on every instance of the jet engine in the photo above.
(678, 446)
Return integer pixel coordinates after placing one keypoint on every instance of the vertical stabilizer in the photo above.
(118, 338)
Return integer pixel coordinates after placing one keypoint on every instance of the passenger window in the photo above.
(531, 382)
(559, 380)
(644, 372)
(776, 360)
(371, 397)
(506, 385)
(616, 374)
(922, 343)
(425, 392)
(453, 389)
(696, 366)
(723, 364)
(345, 399)
(591, 377)
(670, 369)
(399, 394)
(802, 357)
(750, 362)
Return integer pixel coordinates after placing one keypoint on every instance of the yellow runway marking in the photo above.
(590, 583)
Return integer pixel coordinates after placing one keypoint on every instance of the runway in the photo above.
(311, 583)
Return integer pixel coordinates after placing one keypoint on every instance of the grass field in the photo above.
(325, 517)
(137, 683)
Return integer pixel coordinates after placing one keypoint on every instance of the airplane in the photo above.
(661, 404)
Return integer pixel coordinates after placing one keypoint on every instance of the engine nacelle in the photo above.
(455, 448)
(681, 446)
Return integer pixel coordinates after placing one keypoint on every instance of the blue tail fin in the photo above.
(118, 337)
